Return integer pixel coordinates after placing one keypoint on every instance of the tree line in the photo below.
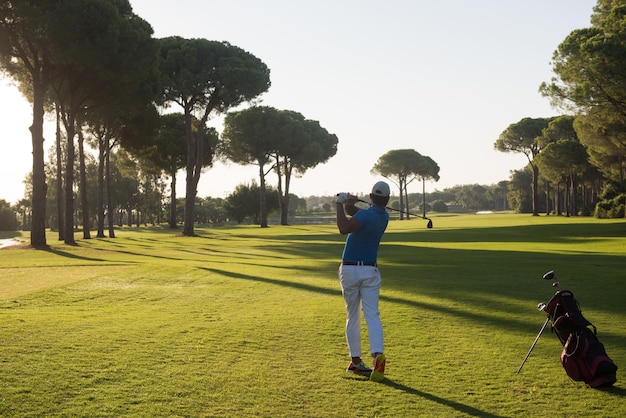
(579, 159)
(96, 65)
(143, 105)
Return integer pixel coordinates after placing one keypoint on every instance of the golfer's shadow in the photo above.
(446, 402)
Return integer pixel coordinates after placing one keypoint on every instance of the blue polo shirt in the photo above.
(362, 245)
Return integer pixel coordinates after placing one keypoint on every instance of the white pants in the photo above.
(360, 285)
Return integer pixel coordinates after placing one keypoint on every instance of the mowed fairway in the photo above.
(248, 322)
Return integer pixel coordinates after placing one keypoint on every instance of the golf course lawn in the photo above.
(242, 321)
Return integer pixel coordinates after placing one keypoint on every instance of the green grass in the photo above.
(248, 322)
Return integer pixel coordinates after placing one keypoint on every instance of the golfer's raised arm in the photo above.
(344, 224)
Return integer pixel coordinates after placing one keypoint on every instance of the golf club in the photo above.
(429, 225)
(550, 276)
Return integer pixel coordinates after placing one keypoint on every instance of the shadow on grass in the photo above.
(554, 233)
(485, 316)
(466, 409)
(299, 286)
(74, 256)
(481, 318)
(613, 390)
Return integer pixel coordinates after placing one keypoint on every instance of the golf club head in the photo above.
(541, 306)
(557, 285)
(549, 275)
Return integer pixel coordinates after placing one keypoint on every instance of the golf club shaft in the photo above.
(398, 210)
(534, 343)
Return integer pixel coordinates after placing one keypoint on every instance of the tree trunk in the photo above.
(60, 205)
(101, 163)
(547, 198)
(573, 195)
(194, 166)
(567, 199)
(282, 204)
(173, 201)
(401, 188)
(83, 186)
(69, 182)
(557, 196)
(38, 228)
(284, 215)
(406, 200)
(188, 228)
(110, 206)
(424, 196)
(535, 188)
(262, 197)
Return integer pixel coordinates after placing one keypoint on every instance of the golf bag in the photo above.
(583, 357)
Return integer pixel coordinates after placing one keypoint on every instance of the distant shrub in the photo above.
(8, 220)
(613, 208)
(440, 206)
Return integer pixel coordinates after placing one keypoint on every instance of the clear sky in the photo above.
(442, 77)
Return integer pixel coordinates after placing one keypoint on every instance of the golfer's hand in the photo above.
(351, 200)
(342, 198)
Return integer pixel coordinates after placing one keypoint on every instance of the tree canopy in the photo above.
(205, 77)
(284, 140)
(249, 137)
(302, 144)
(589, 63)
(401, 167)
(525, 137)
(604, 135)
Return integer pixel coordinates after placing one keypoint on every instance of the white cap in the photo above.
(381, 189)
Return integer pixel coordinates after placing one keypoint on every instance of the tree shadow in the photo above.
(483, 317)
(75, 256)
(295, 285)
(466, 409)
(550, 233)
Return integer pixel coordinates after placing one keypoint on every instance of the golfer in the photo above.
(359, 276)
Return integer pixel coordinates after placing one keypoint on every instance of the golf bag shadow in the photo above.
(583, 357)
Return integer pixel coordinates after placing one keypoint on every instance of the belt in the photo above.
(359, 263)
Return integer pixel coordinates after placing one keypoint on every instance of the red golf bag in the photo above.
(583, 357)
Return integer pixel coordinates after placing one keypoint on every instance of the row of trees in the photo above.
(96, 64)
(581, 156)
(141, 197)
(92, 62)
(559, 166)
